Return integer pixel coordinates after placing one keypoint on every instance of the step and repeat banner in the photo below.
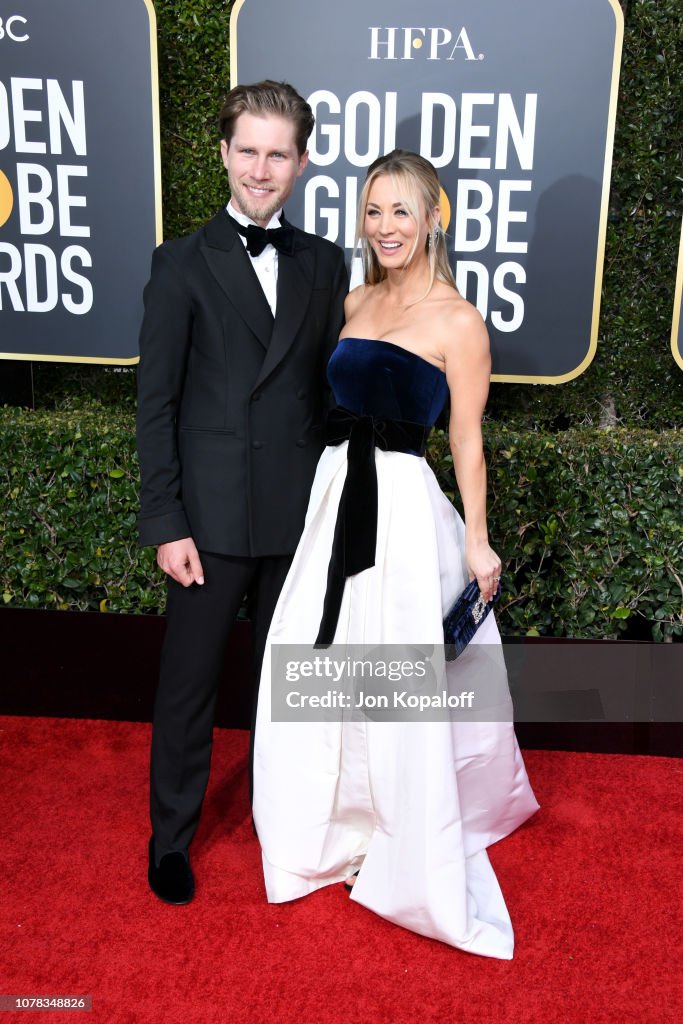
(677, 326)
(80, 206)
(515, 106)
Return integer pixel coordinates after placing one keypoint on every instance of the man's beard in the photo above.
(256, 213)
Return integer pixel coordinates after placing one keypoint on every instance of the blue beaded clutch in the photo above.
(464, 619)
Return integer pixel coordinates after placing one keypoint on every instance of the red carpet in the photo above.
(592, 884)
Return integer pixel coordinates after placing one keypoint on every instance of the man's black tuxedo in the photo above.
(230, 410)
(230, 400)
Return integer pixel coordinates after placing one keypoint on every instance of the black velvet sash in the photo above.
(355, 532)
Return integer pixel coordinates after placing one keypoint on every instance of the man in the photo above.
(238, 328)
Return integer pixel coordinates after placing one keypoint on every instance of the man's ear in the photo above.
(224, 153)
(303, 160)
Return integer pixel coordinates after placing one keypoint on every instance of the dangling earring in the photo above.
(433, 250)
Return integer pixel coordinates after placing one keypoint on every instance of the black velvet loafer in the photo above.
(172, 881)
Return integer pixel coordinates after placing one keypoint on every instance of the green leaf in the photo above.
(621, 613)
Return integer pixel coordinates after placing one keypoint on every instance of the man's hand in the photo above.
(180, 560)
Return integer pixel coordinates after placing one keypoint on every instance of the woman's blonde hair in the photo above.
(417, 183)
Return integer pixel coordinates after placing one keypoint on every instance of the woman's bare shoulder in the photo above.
(456, 309)
(355, 299)
(458, 331)
(458, 320)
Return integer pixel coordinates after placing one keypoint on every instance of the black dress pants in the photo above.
(198, 624)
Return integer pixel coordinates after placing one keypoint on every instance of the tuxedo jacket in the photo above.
(231, 401)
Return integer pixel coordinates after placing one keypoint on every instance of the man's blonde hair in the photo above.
(262, 99)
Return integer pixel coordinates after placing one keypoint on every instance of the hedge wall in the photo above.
(587, 523)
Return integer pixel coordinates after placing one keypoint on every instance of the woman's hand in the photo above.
(484, 563)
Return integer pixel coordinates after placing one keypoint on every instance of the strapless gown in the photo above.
(413, 804)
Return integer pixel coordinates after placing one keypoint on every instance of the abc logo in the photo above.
(13, 28)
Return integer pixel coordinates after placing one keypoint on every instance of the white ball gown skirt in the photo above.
(414, 804)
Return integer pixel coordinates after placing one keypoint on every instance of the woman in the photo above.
(403, 809)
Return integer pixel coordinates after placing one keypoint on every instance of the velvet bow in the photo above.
(355, 532)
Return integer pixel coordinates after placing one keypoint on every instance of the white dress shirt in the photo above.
(265, 264)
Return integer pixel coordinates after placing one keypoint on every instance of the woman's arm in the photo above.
(468, 367)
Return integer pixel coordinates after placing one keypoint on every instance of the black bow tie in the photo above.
(258, 238)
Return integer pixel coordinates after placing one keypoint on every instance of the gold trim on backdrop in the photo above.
(602, 226)
(604, 204)
(676, 320)
(28, 357)
(237, 7)
(158, 223)
(607, 176)
(156, 126)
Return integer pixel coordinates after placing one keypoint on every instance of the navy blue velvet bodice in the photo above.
(377, 378)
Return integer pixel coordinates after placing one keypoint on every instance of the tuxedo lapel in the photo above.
(230, 265)
(295, 275)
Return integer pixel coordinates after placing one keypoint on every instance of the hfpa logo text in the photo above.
(393, 43)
